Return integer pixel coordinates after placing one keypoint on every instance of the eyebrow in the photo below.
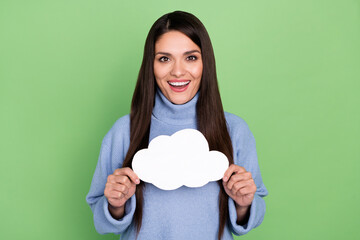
(185, 53)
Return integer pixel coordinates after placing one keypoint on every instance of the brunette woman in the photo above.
(176, 89)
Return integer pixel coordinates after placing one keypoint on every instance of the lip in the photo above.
(179, 89)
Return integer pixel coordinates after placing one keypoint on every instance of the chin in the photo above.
(179, 100)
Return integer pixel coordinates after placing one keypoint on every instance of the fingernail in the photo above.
(137, 181)
(225, 179)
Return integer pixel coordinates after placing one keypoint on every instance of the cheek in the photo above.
(160, 72)
(197, 72)
(156, 71)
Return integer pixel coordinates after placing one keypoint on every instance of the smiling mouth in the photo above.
(178, 84)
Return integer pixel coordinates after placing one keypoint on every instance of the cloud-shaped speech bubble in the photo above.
(180, 159)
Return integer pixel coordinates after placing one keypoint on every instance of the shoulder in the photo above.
(114, 146)
(121, 124)
(236, 123)
(119, 132)
(238, 129)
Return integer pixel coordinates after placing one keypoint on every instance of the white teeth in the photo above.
(177, 84)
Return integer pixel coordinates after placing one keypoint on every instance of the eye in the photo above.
(164, 59)
(191, 58)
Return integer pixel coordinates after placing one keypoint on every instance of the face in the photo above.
(178, 66)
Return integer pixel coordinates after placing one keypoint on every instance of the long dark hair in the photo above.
(210, 114)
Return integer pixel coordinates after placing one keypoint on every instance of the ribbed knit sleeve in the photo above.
(112, 152)
(245, 156)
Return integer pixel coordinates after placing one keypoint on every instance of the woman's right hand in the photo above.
(120, 186)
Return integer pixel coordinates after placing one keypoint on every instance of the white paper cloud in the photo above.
(180, 159)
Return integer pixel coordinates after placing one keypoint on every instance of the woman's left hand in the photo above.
(239, 185)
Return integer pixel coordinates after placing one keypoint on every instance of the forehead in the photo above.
(175, 41)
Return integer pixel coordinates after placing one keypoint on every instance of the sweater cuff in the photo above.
(252, 222)
(123, 223)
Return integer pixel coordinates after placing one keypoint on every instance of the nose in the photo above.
(178, 69)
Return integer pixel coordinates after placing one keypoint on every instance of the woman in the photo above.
(177, 89)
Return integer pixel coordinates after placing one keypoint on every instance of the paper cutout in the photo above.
(183, 158)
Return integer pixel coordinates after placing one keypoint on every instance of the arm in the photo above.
(108, 219)
(246, 204)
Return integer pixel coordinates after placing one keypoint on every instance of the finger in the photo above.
(234, 190)
(247, 189)
(120, 188)
(233, 168)
(123, 180)
(113, 201)
(238, 177)
(111, 179)
(128, 172)
(116, 202)
(115, 194)
(242, 184)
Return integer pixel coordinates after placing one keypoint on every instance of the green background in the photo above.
(289, 68)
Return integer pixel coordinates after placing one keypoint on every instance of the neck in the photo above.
(174, 114)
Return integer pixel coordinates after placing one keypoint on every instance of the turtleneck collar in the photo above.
(174, 114)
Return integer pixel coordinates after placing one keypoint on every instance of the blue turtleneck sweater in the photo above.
(184, 213)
